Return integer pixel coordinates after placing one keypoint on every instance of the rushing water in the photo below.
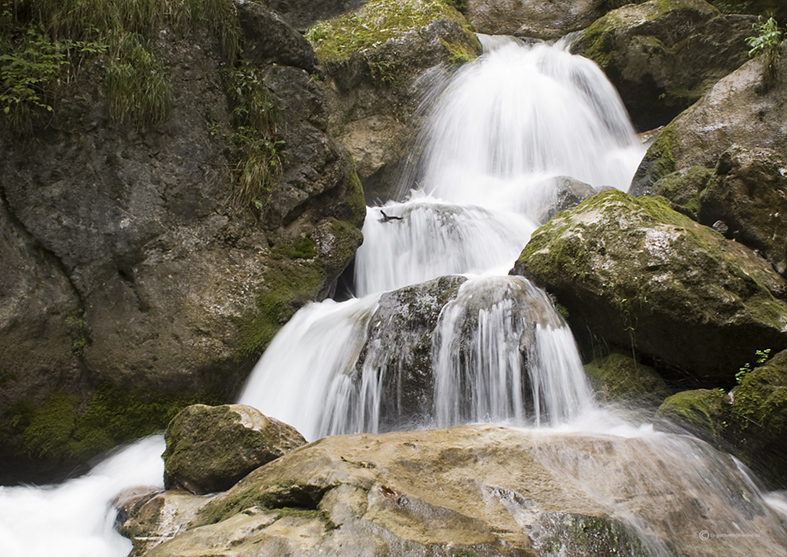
(505, 128)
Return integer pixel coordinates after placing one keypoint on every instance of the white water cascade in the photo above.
(506, 127)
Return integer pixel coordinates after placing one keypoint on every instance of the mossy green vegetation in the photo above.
(65, 428)
(374, 23)
(43, 42)
(620, 378)
(137, 89)
(766, 45)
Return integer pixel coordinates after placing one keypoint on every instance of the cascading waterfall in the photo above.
(507, 125)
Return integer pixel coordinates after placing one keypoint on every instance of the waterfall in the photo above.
(495, 349)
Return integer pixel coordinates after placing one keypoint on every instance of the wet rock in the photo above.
(701, 412)
(644, 277)
(484, 490)
(534, 18)
(568, 193)
(209, 448)
(379, 61)
(682, 189)
(663, 55)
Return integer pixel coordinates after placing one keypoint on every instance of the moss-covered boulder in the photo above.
(748, 195)
(662, 55)
(775, 8)
(480, 490)
(738, 110)
(374, 59)
(210, 448)
(759, 419)
(535, 18)
(702, 412)
(642, 276)
(618, 378)
(303, 13)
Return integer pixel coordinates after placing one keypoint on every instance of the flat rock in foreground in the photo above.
(480, 490)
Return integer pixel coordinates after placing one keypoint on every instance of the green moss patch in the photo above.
(701, 411)
(376, 22)
(65, 428)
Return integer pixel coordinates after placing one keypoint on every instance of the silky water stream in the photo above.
(504, 132)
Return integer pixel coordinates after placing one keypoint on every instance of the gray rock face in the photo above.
(534, 18)
(642, 276)
(664, 55)
(143, 280)
(483, 490)
(210, 448)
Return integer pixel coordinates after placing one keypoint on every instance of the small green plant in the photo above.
(765, 44)
(255, 116)
(137, 87)
(761, 357)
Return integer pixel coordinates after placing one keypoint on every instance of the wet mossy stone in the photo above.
(619, 378)
(682, 188)
(641, 276)
(700, 411)
(210, 448)
(759, 417)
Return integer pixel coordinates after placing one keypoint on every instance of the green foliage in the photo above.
(765, 44)
(255, 116)
(38, 39)
(374, 23)
(762, 357)
(29, 67)
(137, 88)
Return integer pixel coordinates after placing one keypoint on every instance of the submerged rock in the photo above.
(662, 55)
(210, 448)
(641, 276)
(483, 490)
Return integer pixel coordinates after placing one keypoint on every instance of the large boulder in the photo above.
(377, 62)
(535, 18)
(738, 110)
(210, 448)
(147, 286)
(479, 490)
(663, 55)
(641, 276)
